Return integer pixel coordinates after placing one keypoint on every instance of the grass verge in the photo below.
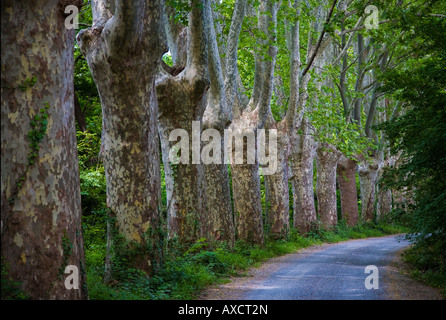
(427, 266)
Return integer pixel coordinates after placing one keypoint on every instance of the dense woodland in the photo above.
(352, 91)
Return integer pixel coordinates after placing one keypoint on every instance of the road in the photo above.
(329, 272)
(334, 273)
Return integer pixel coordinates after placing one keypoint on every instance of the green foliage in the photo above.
(167, 58)
(93, 189)
(180, 11)
(92, 178)
(11, 290)
(427, 265)
(419, 133)
(28, 83)
(94, 226)
(67, 248)
(330, 127)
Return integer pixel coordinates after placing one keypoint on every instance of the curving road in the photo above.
(336, 272)
(329, 272)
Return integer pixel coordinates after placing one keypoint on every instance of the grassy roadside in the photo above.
(185, 273)
(425, 265)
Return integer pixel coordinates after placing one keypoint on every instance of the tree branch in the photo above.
(294, 68)
(347, 45)
(196, 39)
(230, 82)
(310, 62)
(268, 22)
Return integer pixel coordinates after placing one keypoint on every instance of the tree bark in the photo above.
(257, 116)
(276, 187)
(384, 205)
(326, 161)
(41, 232)
(218, 115)
(368, 174)
(368, 170)
(123, 49)
(276, 171)
(302, 144)
(182, 101)
(384, 195)
(246, 181)
(346, 178)
(301, 164)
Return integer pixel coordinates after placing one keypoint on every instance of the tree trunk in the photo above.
(218, 219)
(177, 109)
(41, 232)
(346, 178)
(302, 145)
(384, 201)
(368, 174)
(246, 180)
(301, 165)
(384, 205)
(122, 50)
(182, 102)
(276, 187)
(257, 116)
(326, 161)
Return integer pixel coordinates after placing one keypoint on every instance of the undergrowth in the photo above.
(427, 264)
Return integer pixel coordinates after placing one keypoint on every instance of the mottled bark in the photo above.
(176, 36)
(301, 165)
(368, 174)
(41, 231)
(218, 218)
(384, 203)
(326, 161)
(346, 178)
(276, 187)
(182, 100)
(384, 195)
(368, 171)
(246, 179)
(276, 183)
(246, 183)
(178, 107)
(231, 72)
(302, 144)
(123, 49)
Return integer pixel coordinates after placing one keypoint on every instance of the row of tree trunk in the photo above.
(143, 101)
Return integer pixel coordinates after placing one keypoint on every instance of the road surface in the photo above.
(330, 272)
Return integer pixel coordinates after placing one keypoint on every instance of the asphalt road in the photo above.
(335, 272)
